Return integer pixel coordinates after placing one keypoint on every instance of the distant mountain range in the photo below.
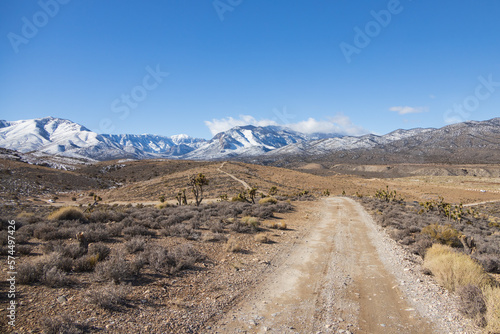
(61, 137)
(471, 142)
(268, 144)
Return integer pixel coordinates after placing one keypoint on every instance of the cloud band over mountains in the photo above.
(339, 124)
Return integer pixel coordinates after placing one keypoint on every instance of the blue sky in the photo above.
(198, 67)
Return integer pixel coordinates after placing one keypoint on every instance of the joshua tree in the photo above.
(252, 192)
(181, 197)
(273, 190)
(197, 182)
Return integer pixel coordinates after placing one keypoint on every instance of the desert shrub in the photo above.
(56, 278)
(216, 226)
(136, 244)
(136, 230)
(46, 271)
(128, 221)
(96, 233)
(24, 249)
(101, 250)
(4, 238)
(489, 261)
(109, 296)
(182, 257)
(233, 245)
(86, 263)
(472, 303)
(137, 264)
(268, 200)
(72, 251)
(420, 245)
(114, 229)
(23, 237)
(492, 298)
(158, 259)
(261, 211)
(277, 225)
(61, 324)
(59, 261)
(106, 215)
(196, 222)
(185, 256)
(399, 235)
(231, 210)
(261, 238)
(239, 227)
(50, 232)
(116, 269)
(181, 230)
(444, 234)
(27, 217)
(28, 273)
(213, 237)
(251, 221)
(283, 207)
(66, 213)
(452, 269)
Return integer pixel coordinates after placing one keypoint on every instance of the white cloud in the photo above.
(339, 123)
(224, 124)
(409, 110)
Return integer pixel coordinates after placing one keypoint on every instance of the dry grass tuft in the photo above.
(251, 221)
(261, 238)
(66, 213)
(268, 200)
(444, 234)
(233, 245)
(277, 225)
(453, 270)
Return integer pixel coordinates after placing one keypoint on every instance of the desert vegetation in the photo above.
(106, 253)
(460, 247)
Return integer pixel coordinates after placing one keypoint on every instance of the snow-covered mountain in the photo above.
(64, 138)
(247, 140)
(61, 137)
(328, 145)
(55, 136)
(468, 142)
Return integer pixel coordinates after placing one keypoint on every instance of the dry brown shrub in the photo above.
(233, 245)
(66, 213)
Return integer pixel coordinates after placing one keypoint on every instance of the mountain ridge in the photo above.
(266, 144)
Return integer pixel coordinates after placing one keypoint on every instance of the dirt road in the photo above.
(333, 281)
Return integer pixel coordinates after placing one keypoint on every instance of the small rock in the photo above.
(62, 299)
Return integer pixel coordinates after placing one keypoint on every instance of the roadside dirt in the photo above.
(333, 280)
